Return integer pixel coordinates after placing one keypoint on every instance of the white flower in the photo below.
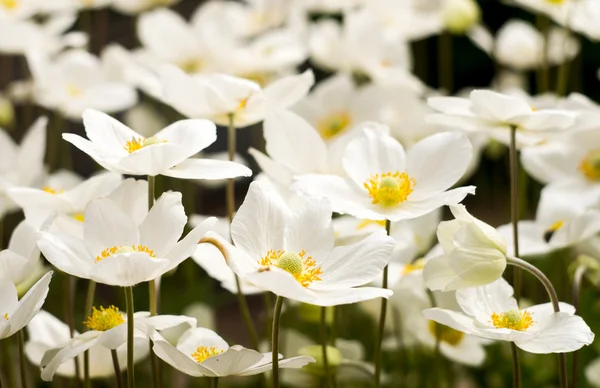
(75, 81)
(21, 165)
(561, 221)
(460, 15)
(133, 7)
(20, 262)
(496, 113)
(583, 18)
(592, 373)
(201, 352)
(118, 148)
(15, 314)
(491, 312)
(108, 331)
(39, 204)
(217, 96)
(386, 183)
(290, 252)
(116, 250)
(73, 5)
(19, 9)
(474, 253)
(332, 6)
(46, 332)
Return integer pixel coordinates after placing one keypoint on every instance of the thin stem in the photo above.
(275, 340)
(516, 366)
(397, 323)
(70, 284)
(130, 339)
(214, 382)
(22, 365)
(445, 62)
(324, 345)
(577, 280)
(153, 293)
(89, 302)
(117, 367)
(562, 361)
(268, 302)
(436, 349)
(382, 316)
(334, 325)
(514, 206)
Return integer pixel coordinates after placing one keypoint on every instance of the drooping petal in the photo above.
(564, 333)
(195, 168)
(30, 304)
(169, 354)
(56, 357)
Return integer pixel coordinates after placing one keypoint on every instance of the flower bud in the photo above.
(460, 15)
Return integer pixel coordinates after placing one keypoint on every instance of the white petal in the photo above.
(128, 269)
(192, 136)
(497, 106)
(107, 133)
(164, 224)
(310, 228)
(289, 90)
(195, 168)
(564, 333)
(186, 246)
(74, 348)
(30, 304)
(347, 296)
(107, 226)
(169, 354)
(234, 360)
(545, 120)
(66, 253)
(483, 301)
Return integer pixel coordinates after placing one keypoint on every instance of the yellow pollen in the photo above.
(557, 2)
(365, 223)
(104, 319)
(513, 320)
(6, 316)
(557, 225)
(124, 249)
(243, 103)
(51, 190)
(390, 189)
(74, 91)
(139, 143)
(205, 352)
(590, 165)
(260, 78)
(10, 4)
(192, 65)
(445, 333)
(333, 124)
(417, 265)
(79, 217)
(304, 268)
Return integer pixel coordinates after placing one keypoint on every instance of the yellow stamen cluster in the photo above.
(390, 189)
(205, 352)
(51, 190)
(365, 223)
(79, 217)
(139, 143)
(513, 320)
(123, 249)
(243, 103)
(192, 66)
(417, 265)
(9, 4)
(6, 316)
(74, 91)
(104, 319)
(304, 268)
(590, 165)
(557, 2)
(446, 334)
(332, 125)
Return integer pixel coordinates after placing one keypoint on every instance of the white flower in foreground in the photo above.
(75, 81)
(491, 312)
(561, 222)
(108, 331)
(46, 332)
(474, 253)
(385, 183)
(217, 96)
(39, 204)
(22, 165)
(117, 251)
(496, 113)
(118, 148)
(16, 313)
(133, 7)
(290, 252)
(20, 262)
(201, 352)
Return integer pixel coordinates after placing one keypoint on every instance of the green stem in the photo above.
(334, 325)
(445, 62)
(397, 323)
(382, 316)
(130, 338)
(577, 281)
(117, 367)
(324, 345)
(268, 302)
(516, 366)
(275, 340)
(89, 303)
(153, 294)
(214, 382)
(230, 202)
(514, 206)
(70, 283)
(22, 362)
(562, 361)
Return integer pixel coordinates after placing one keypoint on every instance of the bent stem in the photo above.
(514, 206)
(275, 340)
(324, 345)
(22, 366)
(89, 303)
(382, 316)
(577, 280)
(516, 366)
(130, 339)
(117, 367)
(562, 361)
(230, 202)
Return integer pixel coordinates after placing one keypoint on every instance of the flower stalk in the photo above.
(382, 316)
(130, 339)
(153, 294)
(324, 346)
(117, 367)
(89, 303)
(577, 281)
(275, 340)
(22, 362)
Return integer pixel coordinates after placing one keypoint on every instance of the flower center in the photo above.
(390, 189)
(9, 4)
(555, 1)
(6, 316)
(365, 223)
(304, 268)
(192, 66)
(332, 125)
(79, 217)
(104, 319)
(51, 190)
(590, 165)
(205, 352)
(124, 249)
(139, 143)
(446, 334)
(513, 320)
(417, 265)
(550, 232)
